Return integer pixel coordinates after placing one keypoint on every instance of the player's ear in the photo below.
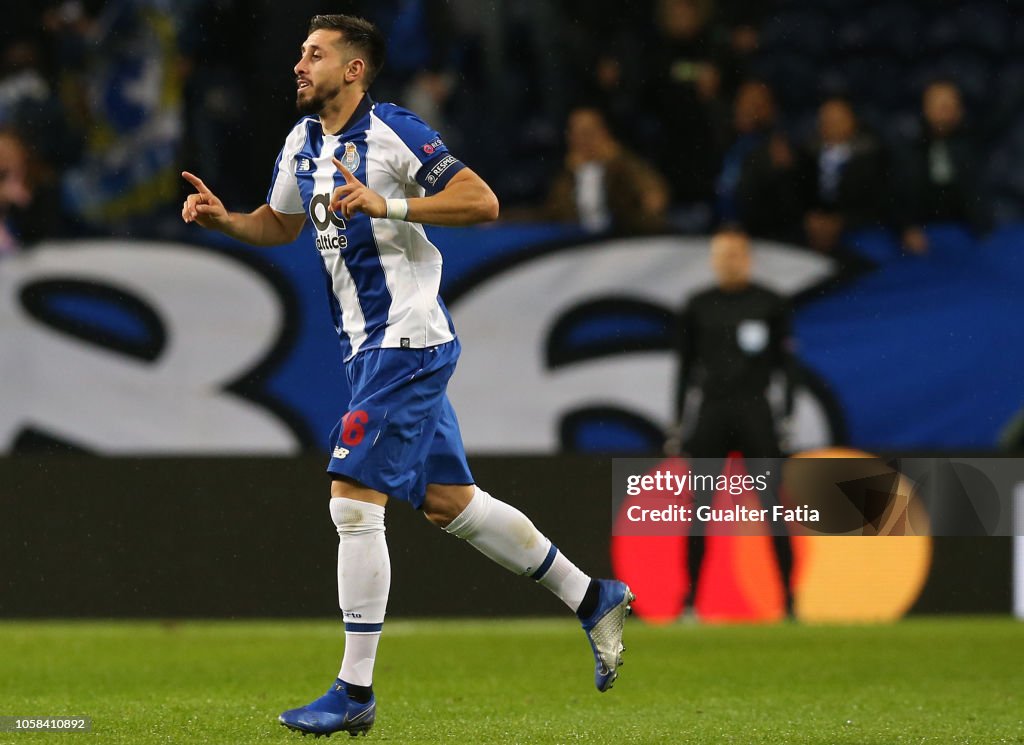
(354, 70)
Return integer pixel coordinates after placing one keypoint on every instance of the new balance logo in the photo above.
(303, 164)
(340, 452)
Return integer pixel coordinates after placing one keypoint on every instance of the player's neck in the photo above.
(734, 286)
(340, 109)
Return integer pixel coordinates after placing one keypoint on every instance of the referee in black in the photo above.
(732, 338)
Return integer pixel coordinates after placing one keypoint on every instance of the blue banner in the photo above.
(121, 346)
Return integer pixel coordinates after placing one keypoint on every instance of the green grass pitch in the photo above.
(929, 680)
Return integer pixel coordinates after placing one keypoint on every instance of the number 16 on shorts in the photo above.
(353, 429)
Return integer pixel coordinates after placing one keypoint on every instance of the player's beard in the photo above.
(315, 103)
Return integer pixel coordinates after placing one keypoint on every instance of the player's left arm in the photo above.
(465, 200)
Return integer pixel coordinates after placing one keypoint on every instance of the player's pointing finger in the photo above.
(195, 181)
(349, 178)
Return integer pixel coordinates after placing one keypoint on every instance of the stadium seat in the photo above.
(1002, 171)
(1006, 205)
(875, 78)
(804, 32)
(792, 76)
(1017, 34)
(1007, 100)
(801, 126)
(896, 128)
(832, 81)
(895, 28)
(853, 34)
(836, 7)
(891, 88)
(979, 26)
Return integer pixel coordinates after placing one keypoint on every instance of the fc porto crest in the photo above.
(350, 158)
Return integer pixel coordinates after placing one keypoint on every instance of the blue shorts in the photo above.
(400, 432)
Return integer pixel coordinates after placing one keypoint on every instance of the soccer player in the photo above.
(368, 176)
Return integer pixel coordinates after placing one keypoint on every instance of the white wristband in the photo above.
(398, 209)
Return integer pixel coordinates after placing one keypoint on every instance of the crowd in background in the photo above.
(795, 119)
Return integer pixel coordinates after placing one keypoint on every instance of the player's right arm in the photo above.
(264, 226)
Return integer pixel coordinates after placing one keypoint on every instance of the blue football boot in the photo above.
(332, 712)
(604, 630)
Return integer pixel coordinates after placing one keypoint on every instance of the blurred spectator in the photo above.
(221, 137)
(685, 84)
(846, 175)
(15, 190)
(753, 121)
(770, 196)
(603, 186)
(133, 113)
(937, 176)
(29, 104)
(742, 18)
(22, 83)
(418, 72)
(107, 79)
(606, 42)
(760, 184)
(740, 21)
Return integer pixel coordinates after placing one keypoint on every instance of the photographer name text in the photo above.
(735, 514)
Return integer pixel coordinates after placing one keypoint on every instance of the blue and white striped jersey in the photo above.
(383, 275)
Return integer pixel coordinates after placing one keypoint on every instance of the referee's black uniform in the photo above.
(730, 343)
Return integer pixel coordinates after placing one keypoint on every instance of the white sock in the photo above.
(505, 535)
(360, 654)
(364, 579)
(566, 580)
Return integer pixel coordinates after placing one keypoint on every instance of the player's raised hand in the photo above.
(202, 207)
(354, 196)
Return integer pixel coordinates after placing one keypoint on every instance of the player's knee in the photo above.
(353, 517)
(437, 517)
(345, 488)
(356, 509)
(439, 512)
(443, 504)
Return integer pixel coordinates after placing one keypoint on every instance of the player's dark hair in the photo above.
(358, 33)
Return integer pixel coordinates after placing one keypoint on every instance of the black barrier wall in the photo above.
(222, 537)
(83, 536)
